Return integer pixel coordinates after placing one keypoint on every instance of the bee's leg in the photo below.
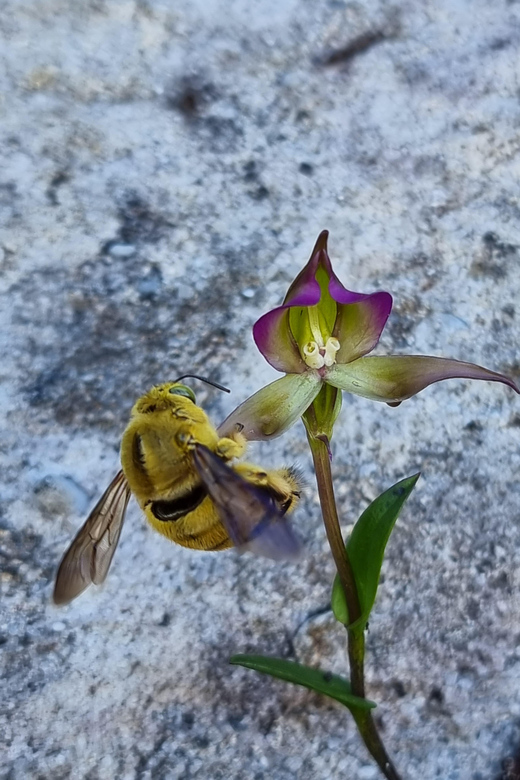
(184, 439)
(283, 485)
(229, 448)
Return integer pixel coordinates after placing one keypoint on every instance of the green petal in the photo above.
(394, 378)
(274, 408)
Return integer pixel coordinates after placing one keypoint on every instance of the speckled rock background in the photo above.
(165, 170)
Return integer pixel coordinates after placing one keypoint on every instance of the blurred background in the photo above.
(165, 168)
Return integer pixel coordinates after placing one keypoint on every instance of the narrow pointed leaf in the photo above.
(332, 685)
(366, 549)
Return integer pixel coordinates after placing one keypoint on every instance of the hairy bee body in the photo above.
(156, 456)
(202, 528)
(177, 466)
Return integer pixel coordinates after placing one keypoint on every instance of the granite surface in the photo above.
(165, 169)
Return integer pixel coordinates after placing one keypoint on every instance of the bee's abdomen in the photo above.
(175, 508)
(188, 521)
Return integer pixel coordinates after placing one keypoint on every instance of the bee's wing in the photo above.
(250, 516)
(89, 556)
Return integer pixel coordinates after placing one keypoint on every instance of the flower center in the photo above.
(317, 357)
(319, 351)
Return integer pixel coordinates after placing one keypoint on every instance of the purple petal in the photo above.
(274, 408)
(394, 378)
(275, 341)
(272, 333)
(359, 325)
(360, 320)
(305, 290)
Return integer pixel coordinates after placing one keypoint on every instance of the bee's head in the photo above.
(164, 396)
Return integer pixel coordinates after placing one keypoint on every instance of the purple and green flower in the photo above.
(321, 337)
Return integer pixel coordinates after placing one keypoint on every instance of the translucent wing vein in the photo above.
(88, 558)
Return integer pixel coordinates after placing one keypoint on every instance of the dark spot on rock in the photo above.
(236, 722)
(188, 719)
(478, 482)
(436, 695)
(266, 723)
(483, 268)
(354, 48)
(473, 426)
(303, 115)
(500, 43)
(306, 168)
(52, 190)
(139, 222)
(500, 582)
(25, 640)
(510, 767)
(473, 609)
(501, 248)
(399, 688)
(260, 193)
(190, 96)
(250, 171)
(498, 257)
(9, 198)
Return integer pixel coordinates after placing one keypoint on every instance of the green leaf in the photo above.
(331, 685)
(366, 548)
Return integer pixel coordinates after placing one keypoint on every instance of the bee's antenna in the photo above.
(203, 379)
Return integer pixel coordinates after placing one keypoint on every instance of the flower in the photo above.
(320, 336)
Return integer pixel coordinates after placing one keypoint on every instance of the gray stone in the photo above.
(215, 140)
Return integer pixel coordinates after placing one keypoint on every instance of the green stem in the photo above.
(356, 638)
(321, 460)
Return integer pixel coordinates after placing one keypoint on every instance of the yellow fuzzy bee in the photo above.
(177, 467)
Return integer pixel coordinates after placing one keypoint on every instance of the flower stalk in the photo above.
(356, 637)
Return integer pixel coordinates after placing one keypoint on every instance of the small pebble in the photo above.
(368, 773)
(122, 250)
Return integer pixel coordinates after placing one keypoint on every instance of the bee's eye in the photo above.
(182, 390)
